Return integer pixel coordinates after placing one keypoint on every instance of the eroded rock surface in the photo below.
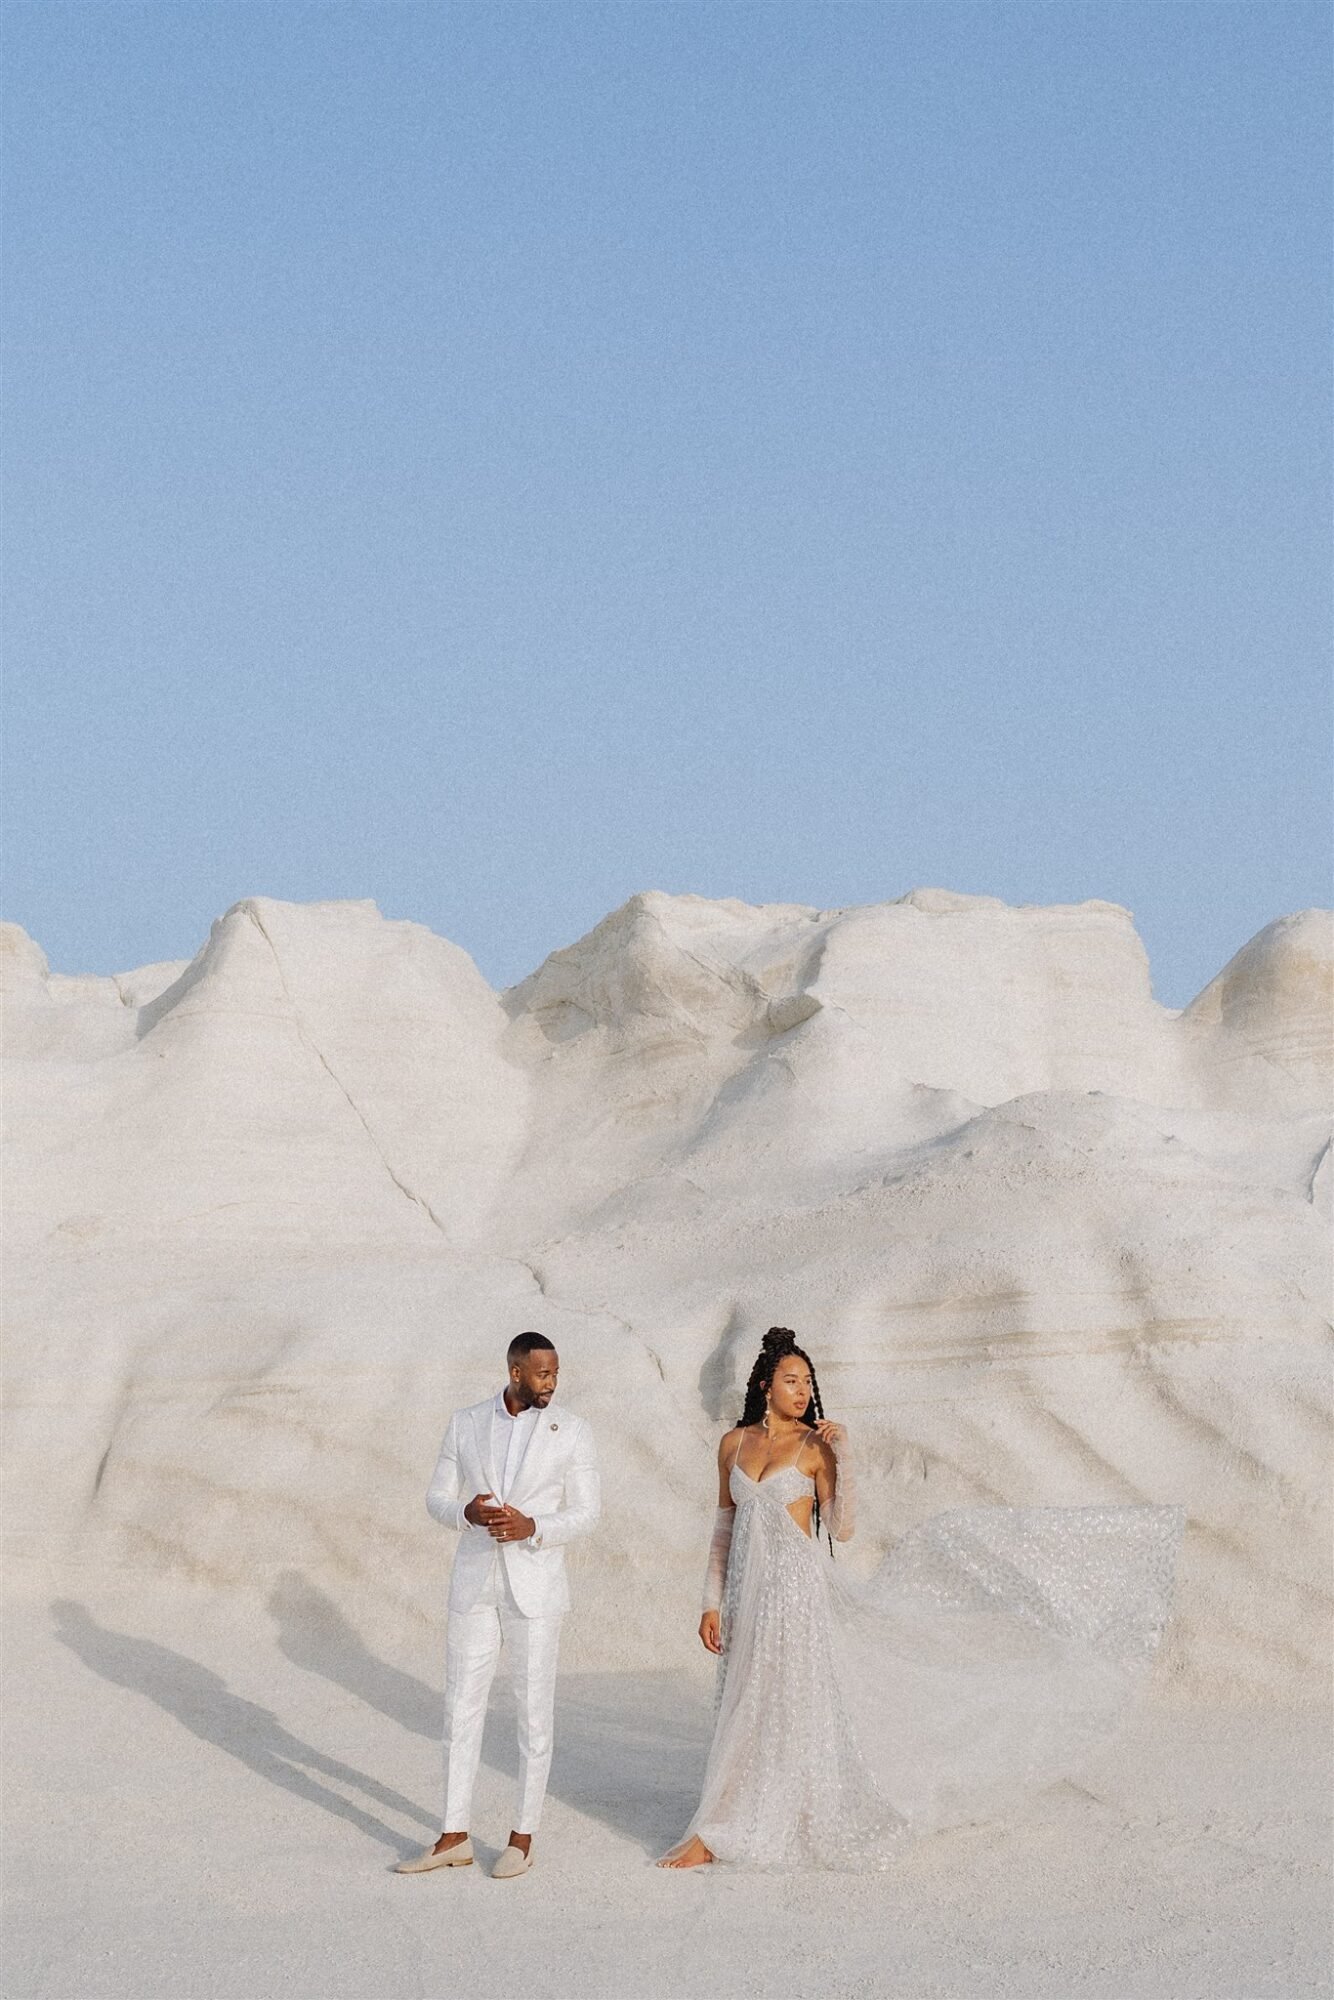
(272, 1214)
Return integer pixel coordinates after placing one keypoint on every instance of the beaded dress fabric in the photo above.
(992, 1650)
(786, 1783)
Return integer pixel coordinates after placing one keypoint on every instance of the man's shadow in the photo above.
(202, 1701)
(630, 1747)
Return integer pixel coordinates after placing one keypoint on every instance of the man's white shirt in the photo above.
(510, 1438)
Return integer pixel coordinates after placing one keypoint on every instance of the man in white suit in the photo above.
(532, 1476)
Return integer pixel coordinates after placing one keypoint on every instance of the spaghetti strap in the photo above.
(793, 1465)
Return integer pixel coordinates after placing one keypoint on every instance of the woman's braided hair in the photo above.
(778, 1343)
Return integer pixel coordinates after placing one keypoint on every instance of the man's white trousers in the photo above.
(472, 1648)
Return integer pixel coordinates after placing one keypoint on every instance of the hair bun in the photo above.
(778, 1340)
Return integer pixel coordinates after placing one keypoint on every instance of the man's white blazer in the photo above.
(556, 1484)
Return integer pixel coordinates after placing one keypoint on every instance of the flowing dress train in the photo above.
(992, 1650)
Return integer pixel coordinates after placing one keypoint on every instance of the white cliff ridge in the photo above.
(271, 1215)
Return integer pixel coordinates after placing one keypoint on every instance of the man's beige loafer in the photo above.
(457, 1856)
(513, 1862)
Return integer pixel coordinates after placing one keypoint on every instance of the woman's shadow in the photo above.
(202, 1701)
(630, 1747)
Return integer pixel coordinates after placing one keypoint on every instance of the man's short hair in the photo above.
(526, 1343)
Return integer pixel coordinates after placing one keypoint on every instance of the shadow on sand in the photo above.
(202, 1701)
(630, 1747)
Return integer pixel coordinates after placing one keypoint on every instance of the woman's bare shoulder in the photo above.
(814, 1452)
(729, 1444)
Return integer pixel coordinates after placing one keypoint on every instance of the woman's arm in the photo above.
(720, 1543)
(834, 1483)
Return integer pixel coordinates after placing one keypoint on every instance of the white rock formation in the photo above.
(271, 1215)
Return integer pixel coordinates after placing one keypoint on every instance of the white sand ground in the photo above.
(270, 1216)
(213, 1794)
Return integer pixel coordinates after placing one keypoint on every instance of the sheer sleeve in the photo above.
(719, 1546)
(843, 1513)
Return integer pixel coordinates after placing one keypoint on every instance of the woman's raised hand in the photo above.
(830, 1433)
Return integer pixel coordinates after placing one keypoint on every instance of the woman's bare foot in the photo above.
(693, 1856)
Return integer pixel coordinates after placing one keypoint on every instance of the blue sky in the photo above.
(497, 458)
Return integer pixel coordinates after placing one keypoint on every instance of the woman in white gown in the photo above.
(991, 1650)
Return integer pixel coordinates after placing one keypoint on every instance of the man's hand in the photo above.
(507, 1524)
(710, 1631)
(480, 1510)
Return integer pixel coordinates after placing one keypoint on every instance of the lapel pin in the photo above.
(555, 1427)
